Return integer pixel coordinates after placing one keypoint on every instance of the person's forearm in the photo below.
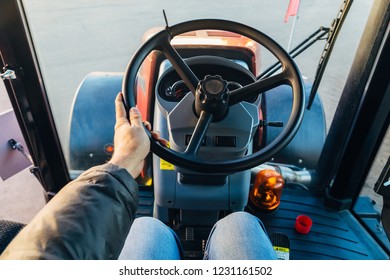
(88, 219)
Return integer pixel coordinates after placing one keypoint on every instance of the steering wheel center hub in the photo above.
(212, 96)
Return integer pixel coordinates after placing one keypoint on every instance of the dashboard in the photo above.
(227, 138)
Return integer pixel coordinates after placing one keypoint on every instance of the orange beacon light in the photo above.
(267, 190)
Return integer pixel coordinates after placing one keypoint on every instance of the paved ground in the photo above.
(76, 37)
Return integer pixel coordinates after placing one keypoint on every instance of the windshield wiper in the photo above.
(330, 34)
(319, 34)
(330, 42)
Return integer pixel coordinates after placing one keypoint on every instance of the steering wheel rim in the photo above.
(290, 75)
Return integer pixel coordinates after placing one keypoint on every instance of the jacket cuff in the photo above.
(119, 173)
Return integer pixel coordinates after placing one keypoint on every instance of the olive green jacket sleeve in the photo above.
(88, 219)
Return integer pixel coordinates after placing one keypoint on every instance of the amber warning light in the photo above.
(109, 149)
(267, 190)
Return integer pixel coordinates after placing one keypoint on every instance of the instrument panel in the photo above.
(172, 88)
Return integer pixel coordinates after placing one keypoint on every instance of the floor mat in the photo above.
(333, 235)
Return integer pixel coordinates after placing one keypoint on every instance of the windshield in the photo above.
(75, 38)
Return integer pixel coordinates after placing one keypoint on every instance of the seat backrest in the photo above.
(8, 230)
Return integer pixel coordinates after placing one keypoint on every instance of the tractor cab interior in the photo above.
(242, 137)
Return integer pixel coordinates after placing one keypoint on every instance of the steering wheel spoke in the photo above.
(180, 66)
(197, 137)
(258, 87)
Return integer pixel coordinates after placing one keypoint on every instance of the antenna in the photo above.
(166, 21)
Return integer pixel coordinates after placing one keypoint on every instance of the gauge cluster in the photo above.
(176, 91)
(172, 88)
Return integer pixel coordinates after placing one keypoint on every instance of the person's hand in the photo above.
(131, 144)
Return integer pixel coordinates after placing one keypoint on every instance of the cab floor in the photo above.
(335, 235)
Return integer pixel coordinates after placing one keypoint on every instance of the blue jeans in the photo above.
(239, 236)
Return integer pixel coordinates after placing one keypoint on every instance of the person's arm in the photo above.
(91, 216)
(131, 144)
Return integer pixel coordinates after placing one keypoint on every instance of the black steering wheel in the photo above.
(289, 75)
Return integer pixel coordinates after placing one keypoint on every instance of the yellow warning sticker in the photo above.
(281, 249)
(164, 165)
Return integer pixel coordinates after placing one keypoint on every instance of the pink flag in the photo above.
(292, 9)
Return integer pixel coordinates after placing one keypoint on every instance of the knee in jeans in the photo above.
(148, 223)
(240, 216)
